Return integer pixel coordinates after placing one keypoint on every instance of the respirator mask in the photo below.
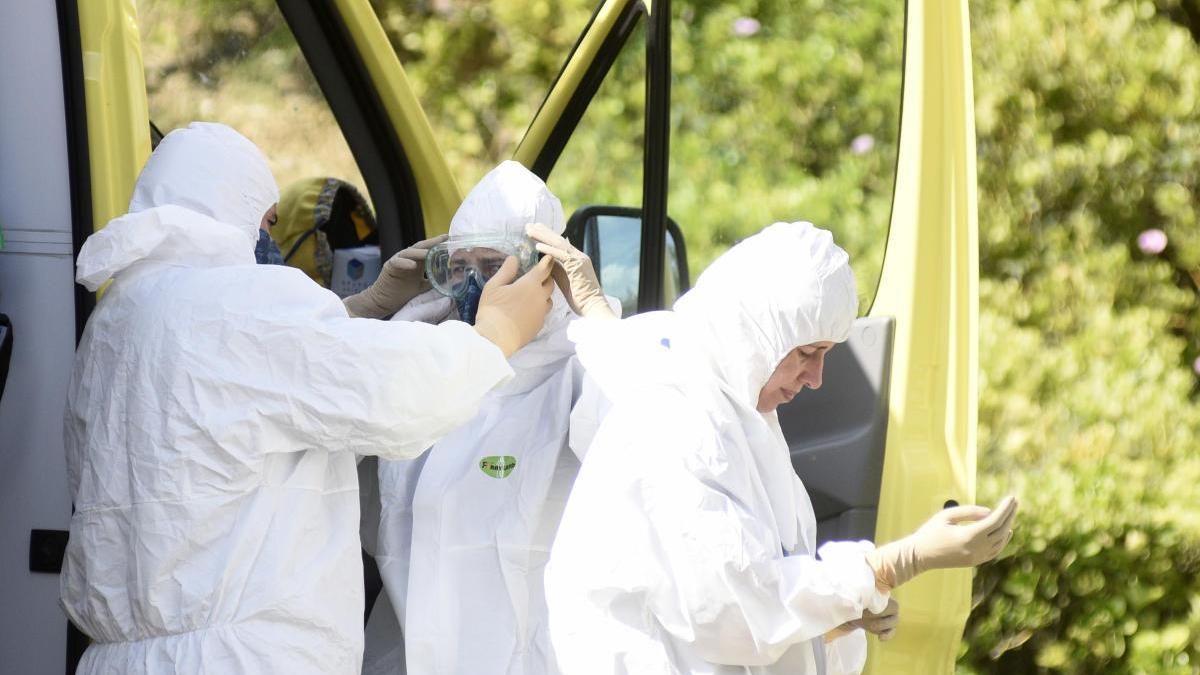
(460, 266)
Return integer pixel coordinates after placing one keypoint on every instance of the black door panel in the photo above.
(837, 433)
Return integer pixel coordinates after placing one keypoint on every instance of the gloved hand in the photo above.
(512, 312)
(401, 279)
(882, 624)
(574, 273)
(945, 542)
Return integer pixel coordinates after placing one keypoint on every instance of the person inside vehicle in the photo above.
(467, 527)
(215, 411)
(318, 215)
(688, 544)
(315, 217)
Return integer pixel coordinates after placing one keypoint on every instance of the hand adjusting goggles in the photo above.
(460, 266)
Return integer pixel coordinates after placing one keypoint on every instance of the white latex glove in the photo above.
(401, 279)
(882, 624)
(574, 273)
(963, 536)
(512, 312)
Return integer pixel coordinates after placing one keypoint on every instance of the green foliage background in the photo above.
(1088, 134)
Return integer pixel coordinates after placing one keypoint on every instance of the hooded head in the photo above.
(783, 288)
(212, 170)
(199, 200)
(507, 199)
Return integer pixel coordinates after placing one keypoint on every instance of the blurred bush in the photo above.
(1100, 579)
(1089, 136)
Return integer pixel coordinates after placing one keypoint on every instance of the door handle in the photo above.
(6, 342)
(47, 549)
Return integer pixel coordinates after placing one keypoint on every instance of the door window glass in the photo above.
(236, 62)
(786, 110)
(481, 69)
(602, 164)
(602, 161)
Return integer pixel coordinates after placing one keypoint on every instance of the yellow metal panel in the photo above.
(440, 194)
(930, 285)
(568, 81)
(114, 87)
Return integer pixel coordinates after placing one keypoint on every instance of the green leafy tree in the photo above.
(1087, 126)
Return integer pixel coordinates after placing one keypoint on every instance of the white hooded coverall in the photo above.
(461, 549)
(688, 544)
(214, 414)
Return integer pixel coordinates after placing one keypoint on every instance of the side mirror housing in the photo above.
(612, 237)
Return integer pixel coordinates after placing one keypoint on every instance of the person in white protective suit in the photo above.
(466, 528)
(688, 544)
(214, 414)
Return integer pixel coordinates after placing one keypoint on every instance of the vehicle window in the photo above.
(787, 112)
(236, 62)
(602, 161)
(481, 69)
(602, 164)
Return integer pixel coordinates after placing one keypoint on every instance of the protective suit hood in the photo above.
(198, 202)
(507, 199)
(783, 288)
(504, 201)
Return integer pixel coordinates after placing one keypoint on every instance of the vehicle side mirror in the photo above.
(612, 237)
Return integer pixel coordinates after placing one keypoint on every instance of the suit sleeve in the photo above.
(726, 586)
(314, 378)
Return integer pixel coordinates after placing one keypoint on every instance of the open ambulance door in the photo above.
(890, 437)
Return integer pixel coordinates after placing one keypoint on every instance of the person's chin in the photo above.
(771, 406)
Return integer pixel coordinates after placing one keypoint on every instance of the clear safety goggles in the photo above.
(450, 265)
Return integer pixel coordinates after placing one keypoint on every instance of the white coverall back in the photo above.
(215, 411)
(688, 544)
